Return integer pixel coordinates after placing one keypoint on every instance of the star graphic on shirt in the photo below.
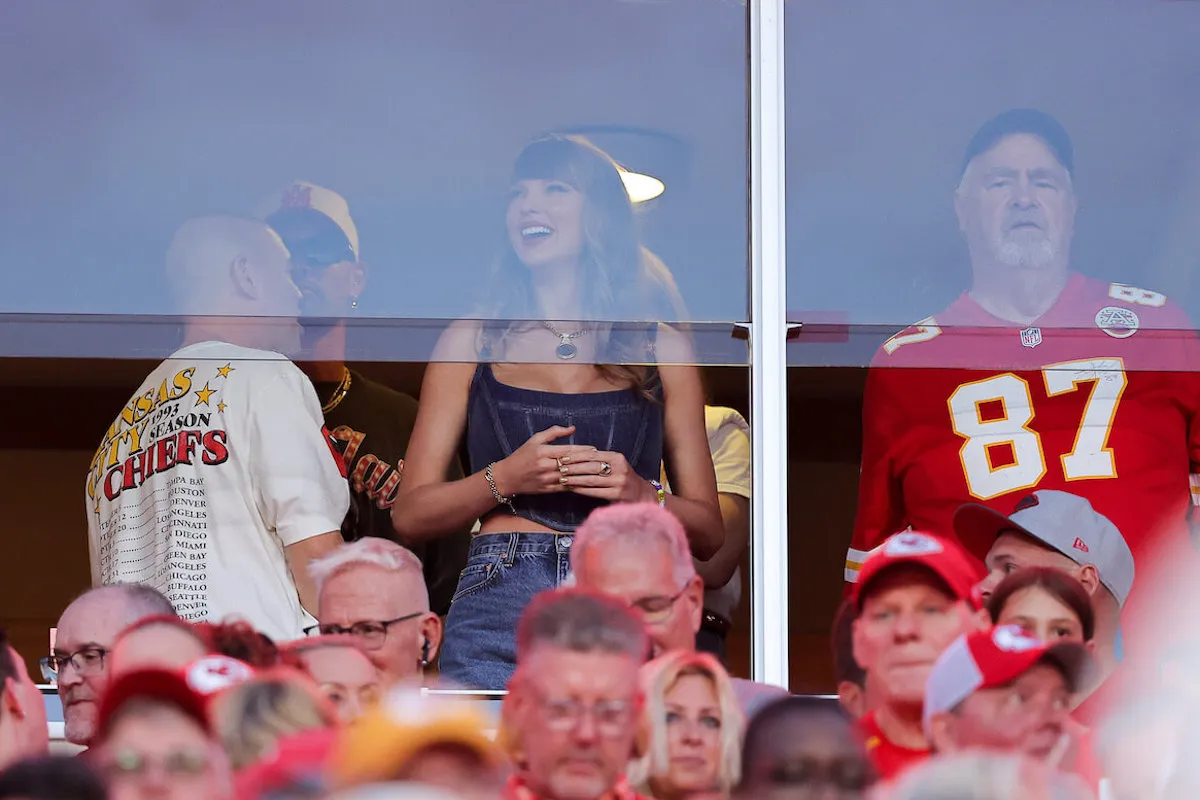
(221, 407)
(224, 371)
(204, 394)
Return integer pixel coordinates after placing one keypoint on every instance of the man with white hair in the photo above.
(1036, 377)
(374, 590)
(217, 484)
(638, 553)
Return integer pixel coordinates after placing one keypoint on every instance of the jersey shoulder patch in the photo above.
(1124, 293)
(922, 331)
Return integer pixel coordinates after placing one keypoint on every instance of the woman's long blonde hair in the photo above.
(657, 678)
(253, 716)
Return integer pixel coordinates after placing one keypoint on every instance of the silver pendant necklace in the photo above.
(565, 350)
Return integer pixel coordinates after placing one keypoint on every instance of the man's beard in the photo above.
(1023, 250)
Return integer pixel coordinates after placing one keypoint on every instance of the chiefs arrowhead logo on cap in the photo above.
(1029, 501)
(214, 673)
(911, 544)
(1081, 545)
(1012, 639)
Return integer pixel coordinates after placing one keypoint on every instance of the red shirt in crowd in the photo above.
(1093, 398)
(888, 758)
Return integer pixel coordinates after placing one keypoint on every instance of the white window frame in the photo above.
(768, 346)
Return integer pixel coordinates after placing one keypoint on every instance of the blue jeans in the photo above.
(503, 573)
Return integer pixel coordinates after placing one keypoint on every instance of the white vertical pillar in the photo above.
(768, 335)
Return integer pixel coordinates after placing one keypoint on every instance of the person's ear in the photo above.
(962, 206)
(9, 700)
(241, 274)
(850, 695)
(695, 597)
(358, 280)
(858, 644)
(431, 634)
(1089, 577)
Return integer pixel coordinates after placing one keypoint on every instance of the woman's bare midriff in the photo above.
(511, 523)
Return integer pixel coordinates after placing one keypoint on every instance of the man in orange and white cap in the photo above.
(1005, 691)
(420, 738)
(370, 423)
(914, 598)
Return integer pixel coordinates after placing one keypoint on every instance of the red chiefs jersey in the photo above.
(889, 759)
(1098, 397)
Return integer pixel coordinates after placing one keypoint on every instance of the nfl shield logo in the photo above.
(1031, 337)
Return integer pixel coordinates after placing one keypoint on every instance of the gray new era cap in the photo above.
(1062, 521)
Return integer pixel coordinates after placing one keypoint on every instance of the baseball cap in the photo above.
(994, 658)
(1063, 522)
(212, 674)
(387, 738)
(942, 557)
(290, 210)
(157, 685)
(1022, 120)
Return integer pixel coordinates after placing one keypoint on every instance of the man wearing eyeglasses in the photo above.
(374, 591)
(571, 715)
(155, 739)
(86, 632)
(638, 553)
(370, 423)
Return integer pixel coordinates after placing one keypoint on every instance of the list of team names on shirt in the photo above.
(149, 490)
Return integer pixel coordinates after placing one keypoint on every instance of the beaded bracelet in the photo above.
(662, 493)
(499, 498)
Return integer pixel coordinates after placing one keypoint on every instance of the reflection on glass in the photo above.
(1038, 380)
(873, 131)
(563, 412)
(136, 117)
(370, 424)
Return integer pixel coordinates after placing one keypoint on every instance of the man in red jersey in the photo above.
(913, 601)
(1037, 377)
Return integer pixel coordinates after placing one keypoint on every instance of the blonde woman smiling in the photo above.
(691, 729)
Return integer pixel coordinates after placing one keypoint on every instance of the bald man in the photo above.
(217, 483)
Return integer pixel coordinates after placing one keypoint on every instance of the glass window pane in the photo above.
(991, 242)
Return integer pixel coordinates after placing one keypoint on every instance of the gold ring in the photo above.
(559, 462)
(605, 468)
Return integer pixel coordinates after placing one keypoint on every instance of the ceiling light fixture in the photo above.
(641, 187)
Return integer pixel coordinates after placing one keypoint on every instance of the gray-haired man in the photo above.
(638, 553)
(573, 702)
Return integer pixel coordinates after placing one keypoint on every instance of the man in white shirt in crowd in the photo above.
(638, 553)
(217, 483)
(86, 633)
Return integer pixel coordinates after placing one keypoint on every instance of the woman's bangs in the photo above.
(553, 159)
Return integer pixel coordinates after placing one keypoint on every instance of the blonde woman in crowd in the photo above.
(252, 717)
(691, 729)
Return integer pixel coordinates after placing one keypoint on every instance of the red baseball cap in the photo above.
(995, 658)
(944, 558)
(158, 685)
